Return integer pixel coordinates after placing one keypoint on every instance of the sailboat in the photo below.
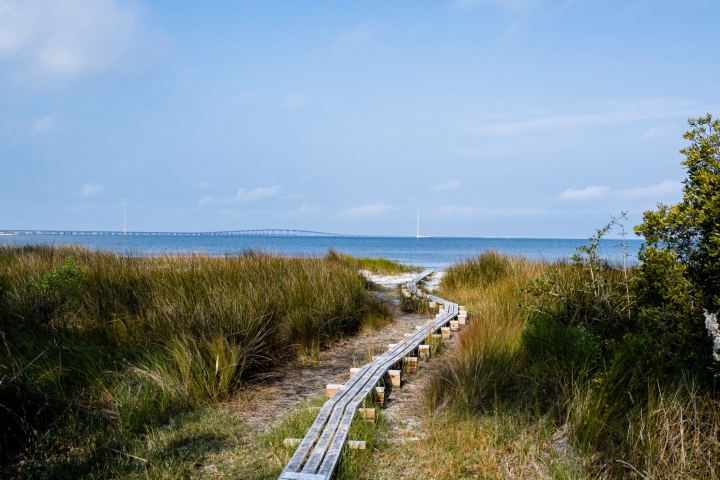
(417, 234)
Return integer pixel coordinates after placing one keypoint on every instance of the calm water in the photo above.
(431, 252)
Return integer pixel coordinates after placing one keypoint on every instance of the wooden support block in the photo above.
(395, 377)
(454, 325)
(420, 327)
(302, 476)
(445, 332)
(406, 335)
(381, 395)
(436, 336)
(332, 388)
(462, 320)
(441, 309)
(411, 364)
(353, 371)
(367, 414)
(356, 444)
(391, 346)
(424, 351)
(432, 305)
(373, 358)
(462, 308)
(292, 442)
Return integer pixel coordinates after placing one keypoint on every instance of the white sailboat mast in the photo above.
(417, 235)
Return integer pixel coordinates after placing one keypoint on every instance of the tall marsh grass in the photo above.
(561, 343)
(130, 340)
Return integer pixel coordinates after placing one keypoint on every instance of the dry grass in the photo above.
(98, 348)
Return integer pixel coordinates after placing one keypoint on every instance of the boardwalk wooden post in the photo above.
(367, 414)
(445, 332)
(331, 389)
(395, 377)
(424, 351)
(353, 372)
(462, 318)
(454, 325)
(410, 364)
(380, 391)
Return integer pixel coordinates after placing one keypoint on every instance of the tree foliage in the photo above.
(679, 277)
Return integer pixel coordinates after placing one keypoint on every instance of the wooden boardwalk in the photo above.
(318, 453)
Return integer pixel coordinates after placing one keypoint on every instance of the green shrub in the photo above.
(559, 357)
(679, 276)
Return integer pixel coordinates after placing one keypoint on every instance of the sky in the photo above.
(501, 118)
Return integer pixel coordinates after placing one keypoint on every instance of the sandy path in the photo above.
(283, 390)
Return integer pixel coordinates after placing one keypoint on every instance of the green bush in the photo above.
(559, 356)
(679, 276)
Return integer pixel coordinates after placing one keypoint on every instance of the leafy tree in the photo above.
(679, 277)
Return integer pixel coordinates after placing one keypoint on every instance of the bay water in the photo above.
(429, 252)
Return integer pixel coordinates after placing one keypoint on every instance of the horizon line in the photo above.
(270, 232)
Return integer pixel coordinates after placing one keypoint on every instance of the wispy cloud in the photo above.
(587, 193)
(370, 210)
(450, 185)
(458, 211)
(91, 189)
(50, 41)
(611, 112)
(205, 184)
(512, 6)
(247, 97)
(43, 124)
(294, 99)
(357, 37)
(242, 196)
(593, 193)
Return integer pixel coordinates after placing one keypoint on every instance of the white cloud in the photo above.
(91, 189)
(370, 210)
(205, 185)
(512, 6)
(450, 185)
(602, 113)
(55, 41)
(665, 189)
(242, 196)
(43, 124)
(466, 212)
(294, 99)
(247, 97)
(357, 37)
(587, 193)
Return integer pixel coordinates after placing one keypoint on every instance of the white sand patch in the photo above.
(431, 282)
(388, 280)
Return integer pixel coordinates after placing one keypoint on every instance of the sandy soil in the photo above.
(284, 390)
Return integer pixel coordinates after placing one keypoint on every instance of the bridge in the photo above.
(229, 233)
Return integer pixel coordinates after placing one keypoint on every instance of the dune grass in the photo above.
(96, 348)
(557, 349)
(374, 265)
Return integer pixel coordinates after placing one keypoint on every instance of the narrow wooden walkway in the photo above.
(318, 454)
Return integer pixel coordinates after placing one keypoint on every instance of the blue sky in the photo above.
(526, 118)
